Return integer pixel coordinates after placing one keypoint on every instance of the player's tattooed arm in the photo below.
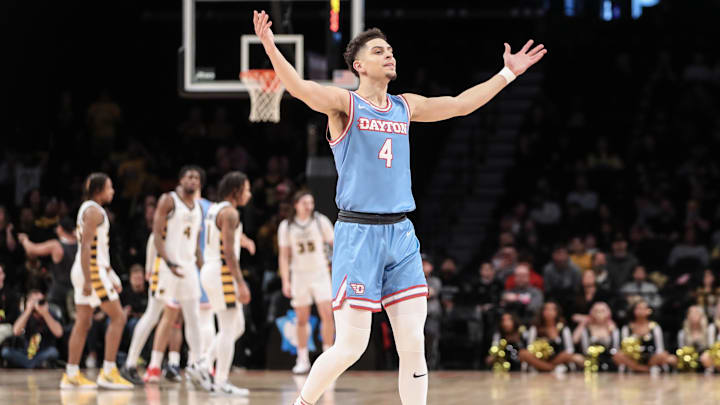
(229, 220)
(325, 99)
(92, 218)
(429, 109)
(164, 208)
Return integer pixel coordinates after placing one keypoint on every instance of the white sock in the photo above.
(108, 366)
(156, 359)
(174, 359)
(72, 370)
(326, 347)
(303, 354)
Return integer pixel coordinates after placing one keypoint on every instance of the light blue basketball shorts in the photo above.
(376, 266)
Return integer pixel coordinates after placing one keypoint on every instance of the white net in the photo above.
(266, 91)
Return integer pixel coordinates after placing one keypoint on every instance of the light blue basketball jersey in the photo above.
(372, 158)
(204, 207)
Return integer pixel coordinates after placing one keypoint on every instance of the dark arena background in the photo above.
(570, 228)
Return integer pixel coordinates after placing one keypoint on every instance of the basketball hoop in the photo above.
(266, 91)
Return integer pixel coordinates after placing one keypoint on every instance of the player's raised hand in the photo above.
(520, 62)
(262, 27)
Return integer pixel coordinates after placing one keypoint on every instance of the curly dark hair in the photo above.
(230, 183)
(354, 46)
(94, 183)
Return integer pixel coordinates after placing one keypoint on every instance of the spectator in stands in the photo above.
(524, 300)
(434, 314)
(579, 255)
(46, 223)
(265, 189)
(536, 279)
(599, 267)
(8, 308)
(451, 283)
(37, 329)
(641, 289)
(689, 249)
(504, 263)
(7, 239)
(588, 295)
(545, 211)
(621, 262)
(707, 295)
(135, 298)
(585, 198)
(62, 254)
(27, 221)
(590, 243)
(487, 289)
(561, 277)
(693, 217)
(665, 224)
(652, 343)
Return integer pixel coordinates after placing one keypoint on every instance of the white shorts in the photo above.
(173, 288)
(220, 286)
(102, 286)
(308, 287)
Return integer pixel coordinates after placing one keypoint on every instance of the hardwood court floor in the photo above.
(375, 388)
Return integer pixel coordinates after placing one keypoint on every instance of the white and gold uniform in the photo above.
(181, 236)
(101, 275)
(215, 275)
(309, 271)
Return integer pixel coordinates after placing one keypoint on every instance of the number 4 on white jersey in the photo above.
(386, 153)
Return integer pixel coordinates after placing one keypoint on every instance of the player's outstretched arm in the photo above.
(324, 99)
(428, 109)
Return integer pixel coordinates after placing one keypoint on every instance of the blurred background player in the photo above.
(95, 284)
(221, 276)
(178, 218)
(303, 265)
(377, 261)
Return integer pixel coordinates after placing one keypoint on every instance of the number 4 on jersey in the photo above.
(386, 153)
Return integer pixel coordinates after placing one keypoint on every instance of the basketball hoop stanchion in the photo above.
(266, 91)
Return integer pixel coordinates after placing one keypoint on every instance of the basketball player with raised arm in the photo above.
(96, 285)
(303, 266)
(376, 260)
(222, 279)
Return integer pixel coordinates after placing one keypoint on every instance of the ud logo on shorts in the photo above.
(358, 288)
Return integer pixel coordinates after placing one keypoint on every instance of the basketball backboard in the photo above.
(218, 42)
